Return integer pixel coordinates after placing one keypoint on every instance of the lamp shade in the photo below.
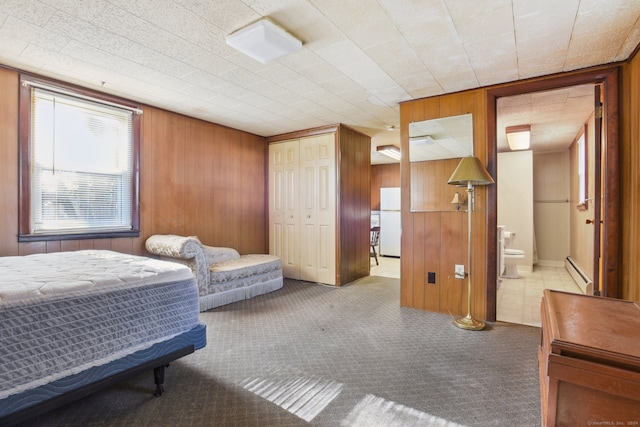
(470, 171)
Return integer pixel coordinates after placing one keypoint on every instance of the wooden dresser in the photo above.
(589, 361)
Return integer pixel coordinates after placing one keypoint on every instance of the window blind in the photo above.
(82, 165)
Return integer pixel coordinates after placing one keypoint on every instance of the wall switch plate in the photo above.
(431, 277)
(460, 271)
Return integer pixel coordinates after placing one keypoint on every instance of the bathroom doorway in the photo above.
(539, 223)
(605, 252)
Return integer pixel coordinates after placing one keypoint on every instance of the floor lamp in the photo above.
(470, 172)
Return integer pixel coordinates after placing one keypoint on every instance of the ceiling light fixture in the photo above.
(389, 150)
(263, 41)
(421, 140)
(518, 137)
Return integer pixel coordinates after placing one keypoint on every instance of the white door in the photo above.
(283, 206)
(318, 209)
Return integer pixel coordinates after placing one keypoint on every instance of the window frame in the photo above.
(583, 203)
(24, 161)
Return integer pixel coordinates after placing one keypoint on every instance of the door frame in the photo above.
(608, 77)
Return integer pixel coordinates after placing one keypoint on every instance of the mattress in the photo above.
(65, 313)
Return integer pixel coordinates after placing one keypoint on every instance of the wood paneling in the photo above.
(354, 204)
(196, 178)
(383, 176)
(429, 188)
(203, 179)
(630, 179)
(8, 162)
(435, 241)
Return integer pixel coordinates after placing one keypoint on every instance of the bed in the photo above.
(74, 322)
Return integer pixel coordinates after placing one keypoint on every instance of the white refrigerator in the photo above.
(390, 227)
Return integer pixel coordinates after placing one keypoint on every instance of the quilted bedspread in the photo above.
(62, 313)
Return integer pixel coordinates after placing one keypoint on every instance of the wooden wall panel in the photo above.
(630, 179)
(203, 179)
(196, 178)
(418, 250)
(453, 295)
(383, 176)
(430, 245)
(429, 188)
(420, 295)
(354, 204)
(9, 85)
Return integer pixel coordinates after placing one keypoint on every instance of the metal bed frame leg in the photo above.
(158, 377)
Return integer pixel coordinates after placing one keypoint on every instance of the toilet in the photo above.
(509, 257)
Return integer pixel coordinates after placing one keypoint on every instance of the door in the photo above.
(609, 179)
(283, 206)
(318, 209)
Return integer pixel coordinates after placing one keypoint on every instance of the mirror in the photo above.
(435, 147)
(444, 138)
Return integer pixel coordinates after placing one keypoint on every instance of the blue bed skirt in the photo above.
(36, 400)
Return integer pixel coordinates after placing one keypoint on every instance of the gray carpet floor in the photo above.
(310, 354)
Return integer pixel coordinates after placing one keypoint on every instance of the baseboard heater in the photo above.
(580, 277)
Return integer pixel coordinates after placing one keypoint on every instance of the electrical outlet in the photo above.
(460, 271)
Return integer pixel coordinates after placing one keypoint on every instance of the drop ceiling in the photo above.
(359, 59)
(556, 116)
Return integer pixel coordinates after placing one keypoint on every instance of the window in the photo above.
(79, 164)
(582, 171)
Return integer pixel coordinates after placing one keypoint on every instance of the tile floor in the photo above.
(389, 267)
(518, 300)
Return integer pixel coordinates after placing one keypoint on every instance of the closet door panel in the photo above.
(308, 254)
(283, 206)
(308, 207)
(276, 199)
(291, 255)
(326, 208)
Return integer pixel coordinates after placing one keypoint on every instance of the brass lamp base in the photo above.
(469, 323)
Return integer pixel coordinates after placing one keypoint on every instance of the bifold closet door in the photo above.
(284, 206)
(318, 209)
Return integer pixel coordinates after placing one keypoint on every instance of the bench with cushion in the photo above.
(223, 275)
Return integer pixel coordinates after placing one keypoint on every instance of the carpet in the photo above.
(350, 356)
